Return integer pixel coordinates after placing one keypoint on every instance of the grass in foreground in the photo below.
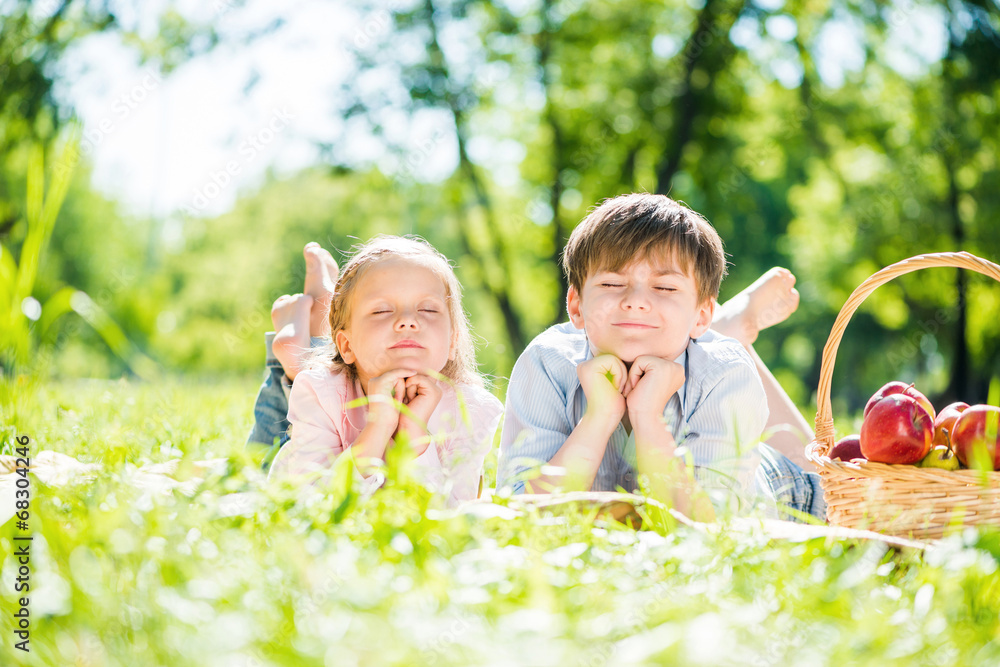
(123, 575)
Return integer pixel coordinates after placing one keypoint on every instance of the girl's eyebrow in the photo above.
(383, 297)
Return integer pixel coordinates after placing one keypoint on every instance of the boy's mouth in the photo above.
(634, 325)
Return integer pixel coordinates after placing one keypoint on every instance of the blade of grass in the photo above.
(112, 334)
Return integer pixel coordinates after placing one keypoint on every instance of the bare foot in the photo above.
(290, 315)
(768, 301)
(321, 280)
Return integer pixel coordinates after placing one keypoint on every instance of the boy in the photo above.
(637, 374)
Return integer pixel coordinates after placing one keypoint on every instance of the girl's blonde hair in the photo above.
(462, 368)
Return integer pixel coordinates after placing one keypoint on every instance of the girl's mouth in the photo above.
(406, 343)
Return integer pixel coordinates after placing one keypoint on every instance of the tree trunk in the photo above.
(499, 289)
(959, 389)
(559, 229)
(687, 104)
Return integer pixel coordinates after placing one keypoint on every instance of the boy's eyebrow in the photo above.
(656, 274)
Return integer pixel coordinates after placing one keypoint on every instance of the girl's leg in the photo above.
(290, 316)
(768, 301)
(321, 281)
(300, 317)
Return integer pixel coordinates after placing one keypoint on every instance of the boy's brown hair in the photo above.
(638, 226)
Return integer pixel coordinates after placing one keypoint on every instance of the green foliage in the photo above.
(20, 335)
(716, 105)
(223, 568)
(17, 279)
(553, 106)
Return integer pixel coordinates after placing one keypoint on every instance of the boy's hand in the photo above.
(603, 379)
(650, 384)
(421, 397)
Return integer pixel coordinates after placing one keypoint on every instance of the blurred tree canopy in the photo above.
(738, 109)
(830, 137)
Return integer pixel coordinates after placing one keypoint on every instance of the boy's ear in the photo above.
(574, 306)
(706, 311)
(344, 347)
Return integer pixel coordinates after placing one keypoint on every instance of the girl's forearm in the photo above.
(418, 436)
(370, 446)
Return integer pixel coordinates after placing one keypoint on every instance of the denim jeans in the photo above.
(270, 410)
(788, 485)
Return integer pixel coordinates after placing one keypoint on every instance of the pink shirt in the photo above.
(323, 427)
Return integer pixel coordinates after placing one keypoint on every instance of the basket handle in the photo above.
(961, 260)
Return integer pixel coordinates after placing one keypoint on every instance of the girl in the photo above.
(399, 335)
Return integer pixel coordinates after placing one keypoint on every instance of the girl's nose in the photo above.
(407, 320)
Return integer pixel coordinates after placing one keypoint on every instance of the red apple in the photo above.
(899, 388)
(977, 427)
(944, 423)
(847, 448)
(897, 429)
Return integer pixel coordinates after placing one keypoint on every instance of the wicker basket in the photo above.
(898, 499)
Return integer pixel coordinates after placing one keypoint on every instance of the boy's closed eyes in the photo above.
(641, 309)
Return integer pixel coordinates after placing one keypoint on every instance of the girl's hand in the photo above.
(422, 396)
(384, 392)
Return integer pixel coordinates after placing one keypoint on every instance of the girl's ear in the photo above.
(574, 306)
(344, 347)
(706, 311)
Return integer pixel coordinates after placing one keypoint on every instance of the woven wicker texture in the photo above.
(898, 499)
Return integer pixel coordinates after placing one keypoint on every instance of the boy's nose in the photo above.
(634, 300)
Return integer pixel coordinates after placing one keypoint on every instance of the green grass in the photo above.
(127, 576)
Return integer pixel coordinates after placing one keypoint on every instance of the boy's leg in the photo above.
(788, 485)
(768, 301)
(789, 431)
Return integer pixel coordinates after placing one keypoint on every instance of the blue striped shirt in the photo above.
(718, 413)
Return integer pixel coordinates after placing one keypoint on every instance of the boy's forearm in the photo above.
(670, 481)
(580, 456)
